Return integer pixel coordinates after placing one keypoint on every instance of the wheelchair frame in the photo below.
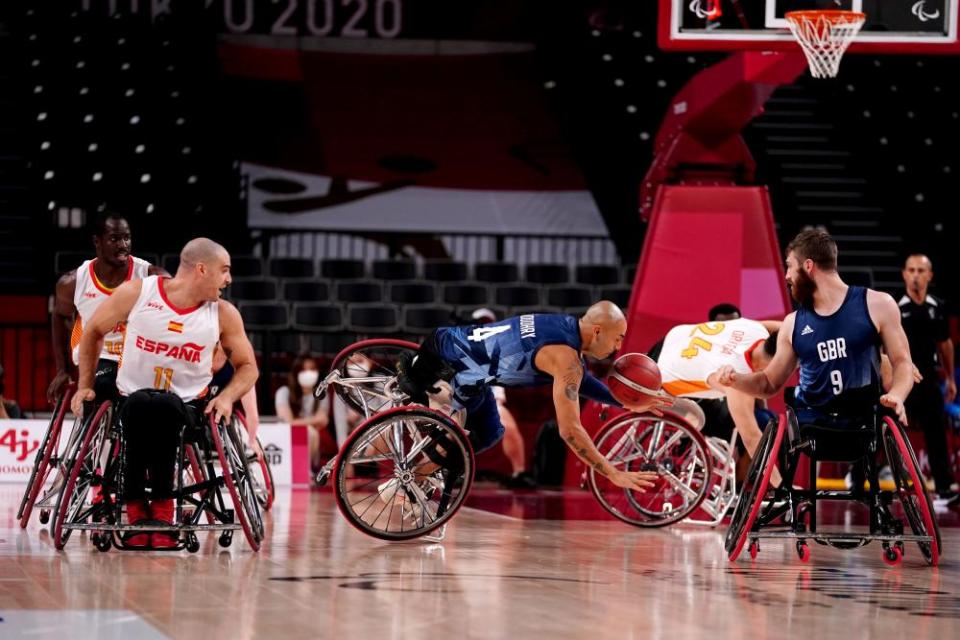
(756, 513)
(385, 388)
(48, 460)
(721, 490)
(95, 462)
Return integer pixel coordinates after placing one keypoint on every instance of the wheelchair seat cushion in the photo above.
(837, 438)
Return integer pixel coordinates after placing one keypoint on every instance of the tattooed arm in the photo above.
(564, 365)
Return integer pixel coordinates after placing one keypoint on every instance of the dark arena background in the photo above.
(378, 172)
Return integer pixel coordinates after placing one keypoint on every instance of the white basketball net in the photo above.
(824, 36)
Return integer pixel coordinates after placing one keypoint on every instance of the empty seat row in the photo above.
(460, 293)
(366, 318)
(433, 270)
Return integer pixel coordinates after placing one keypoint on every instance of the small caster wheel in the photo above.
(193, 545)
(225, 539)
(892, 556)
(803, 551)
(102, 541)
(754, 549)
(44, 516)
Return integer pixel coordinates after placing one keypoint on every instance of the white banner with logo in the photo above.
(19, 441)
(285, 448)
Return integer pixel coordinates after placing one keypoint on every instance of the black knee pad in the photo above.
(450, 457)
(417, 374)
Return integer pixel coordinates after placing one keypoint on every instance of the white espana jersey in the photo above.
(88, 295)
(168, 348)
(691, 352)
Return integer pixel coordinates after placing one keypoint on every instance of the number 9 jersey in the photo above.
(691, 352)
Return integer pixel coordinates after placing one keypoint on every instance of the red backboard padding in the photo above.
(705, 245)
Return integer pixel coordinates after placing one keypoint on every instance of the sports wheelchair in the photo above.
(89, 499)
(48, 462)
(696, 480)
(790, 513)
(406, 469)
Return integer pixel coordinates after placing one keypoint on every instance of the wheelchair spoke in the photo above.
(423, 502)
(677, 484)
(672, 440)
(395, 443)
(655, 439)
(416, 449)
(627, 439)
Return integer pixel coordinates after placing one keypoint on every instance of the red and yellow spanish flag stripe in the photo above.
(176, 327)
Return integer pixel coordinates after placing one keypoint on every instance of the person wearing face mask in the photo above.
(296, 404)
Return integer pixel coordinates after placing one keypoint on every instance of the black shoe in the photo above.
(522, 480)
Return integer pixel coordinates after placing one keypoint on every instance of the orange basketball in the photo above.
(634, 376)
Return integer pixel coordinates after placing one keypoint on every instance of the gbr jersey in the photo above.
(166, 347)
(87, 298)
(691, 352)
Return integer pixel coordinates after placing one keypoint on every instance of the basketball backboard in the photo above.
(892, 26)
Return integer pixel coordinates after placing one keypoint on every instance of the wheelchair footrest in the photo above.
(144, 527)
(842, 538)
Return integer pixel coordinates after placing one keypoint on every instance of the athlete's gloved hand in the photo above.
(895, 402)
(412, 380)
(634, 480)
(81, 396)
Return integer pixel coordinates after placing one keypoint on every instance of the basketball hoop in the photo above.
(824, 36)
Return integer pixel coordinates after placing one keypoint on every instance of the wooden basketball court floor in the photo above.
(494, 576)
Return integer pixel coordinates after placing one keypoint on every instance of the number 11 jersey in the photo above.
(168, 348)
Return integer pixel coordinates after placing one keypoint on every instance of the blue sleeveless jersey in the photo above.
(839, 354)
(502, 353)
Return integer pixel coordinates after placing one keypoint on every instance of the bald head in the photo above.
(205, 267)
(201, 250)
(604, 313)
(602, 329)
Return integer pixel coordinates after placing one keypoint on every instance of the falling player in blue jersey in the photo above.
(457, 366)
(835, 336)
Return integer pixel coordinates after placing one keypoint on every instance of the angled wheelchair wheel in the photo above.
(367, 366)
(85, 475)
(258, 467)
(228, 441)
(47, 451)
(667, 445)
(403, 473)
(754, 488)
(262, 477)
(195, 472)
(911, 490)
